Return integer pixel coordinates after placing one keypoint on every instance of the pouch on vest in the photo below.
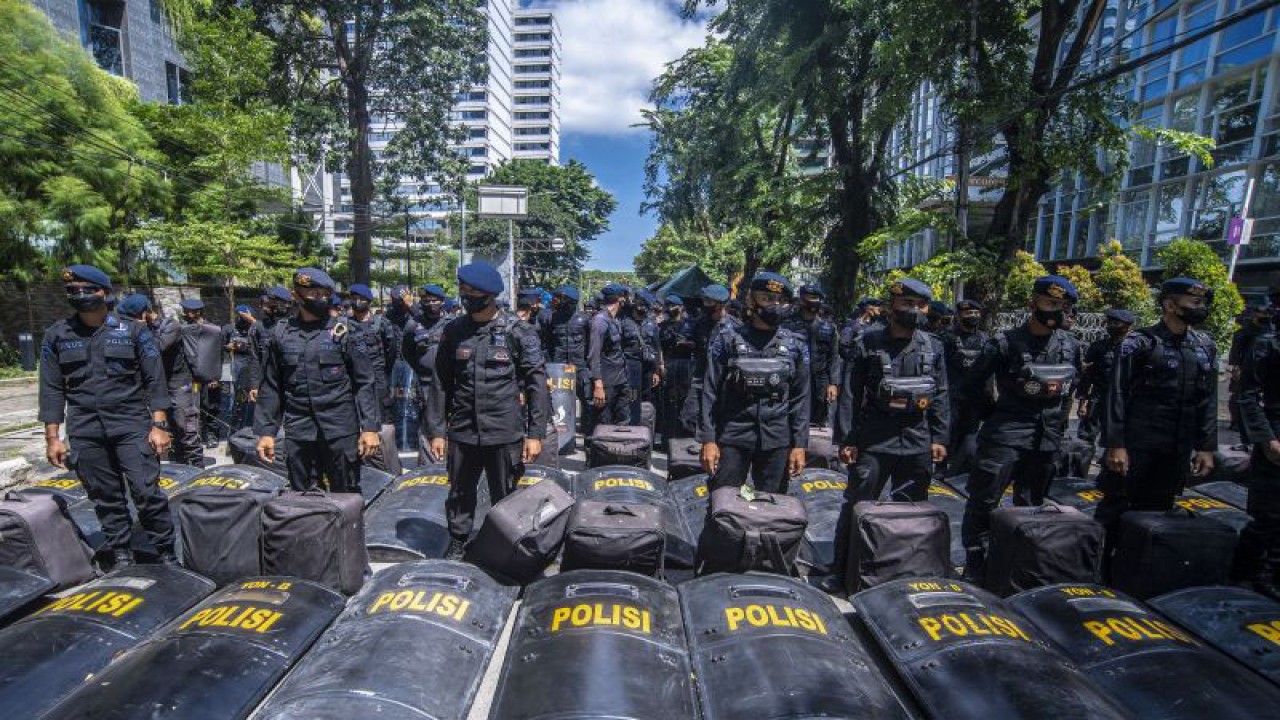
(904, 394)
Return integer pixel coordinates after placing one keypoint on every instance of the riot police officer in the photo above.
(675, 335)
(1161, 413)
(420, 347)
(823, 340)
(528, 306)
(606, 362)
(382, 342)
(755, 396)
(970, 402)
(941, 318)
(276, 303)
(1099, 361)
(894, 407)
(202, 341)
(1035, 367)
(564, 339)
(1254, 322)
(235, 341)
(184, 406)
(102, 376)
(489, 366)
(1257, 560)
(647, 310)
(709, 323)
(319, 384)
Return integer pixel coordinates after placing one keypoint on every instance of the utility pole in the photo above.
(964, 144)
(408, 253)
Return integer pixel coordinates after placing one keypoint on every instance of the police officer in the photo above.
(489, 366)
(1254, 322)
(1099, 361)
(970, 402)
(235, 341)
(941, 318)
(647, 312)
(564, 338)
(633, 352)
(606, 362)
(102, 376)
(894, 407)
(319, 383)
(420, 347)
(675, 335)
(1257, 560)
(755, 396)
(1161, 415)
(709, 323)
(528, 307)
(1035, 367)
(201, 342)
(382, 342)
(276, 304)
(823, 340)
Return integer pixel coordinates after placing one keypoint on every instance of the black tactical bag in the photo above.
(1046, 545)
(751, 530)
(893, 540)
(619, 445)
(36, 535)
(684, 459)
(316, 536)
(522, 533)
(221, 531)
(1159, 552)
(909, 395)
(614, 536)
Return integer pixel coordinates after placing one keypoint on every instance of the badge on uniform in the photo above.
(464, 353)
(500, 340)
(502, 356)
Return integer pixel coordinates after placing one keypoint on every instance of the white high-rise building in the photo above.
(537, 86)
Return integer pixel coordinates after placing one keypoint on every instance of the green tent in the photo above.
(687, 283)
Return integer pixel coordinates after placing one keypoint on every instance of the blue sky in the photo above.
(613, 49)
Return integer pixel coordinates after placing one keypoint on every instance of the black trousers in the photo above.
(1258, 553)
(819, 408)
(502, 467)
(211, 412)
(1153, 482)
(616, 410)
(184, 423)
(675, 390)
(873, 470)
(766, 468)
(996, 466)
(966, 421)
(113, 468)
(331, 464)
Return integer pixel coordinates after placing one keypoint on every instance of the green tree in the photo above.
(674, 248)
(1090, 295)
(1021, 279)
(1194, 259)
(77, 170)
(222, 252)
(1120, 281)
(348, 68)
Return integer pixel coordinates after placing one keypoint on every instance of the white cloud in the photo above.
(613, 49)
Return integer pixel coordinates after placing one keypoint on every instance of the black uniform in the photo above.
(495, 387)
(676, 339)
(755, 404)
(1242, 342)
(104, 383)
(184, 400)
(970, 402)
(704, 329)
(565, 335)
(823, 340)
(1020, 439)
(322, 383)
(236, 335)
(1258, 554)
(200, 338)
(606, 362)
(633, 351)
(1162, 404)
(382, 341)
(650, 333)
(419, 351)
(1099, 362)
(894, 406)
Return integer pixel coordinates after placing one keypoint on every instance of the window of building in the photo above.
(475, 151)
(1234, 110)
(533, 37)
(533, 115)
(472, 114)
(532, 84)
(102, 32)
(1170, 209)
(533, 52)
(1265, 211)
(477, 170)
(531, 147)
(471, 96)
(477, 133)
(1243, 43)
(1132, 231)
(533, 100)
(530, 69)
(177, 81)
(1217, 198)
(526, 131)
(536, 20)
(157, 13)
(1142, 156)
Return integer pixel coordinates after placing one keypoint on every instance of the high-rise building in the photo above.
(1223, 86)
(536, 118)
(127, 38)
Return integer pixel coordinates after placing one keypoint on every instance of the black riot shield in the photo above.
(175, 476)
(563, 381)
(19, 590)
(1080, 493)
(597, 644)
(1239, 622)
(766, 646)
(403, 384)
(1152, 666)
(407, 522)
(964, 653)
(215, 662)
(534, 474)
(625, 484)
(63, 485)
(236, 477)
(51, 652)
(951, 502)
(822, 492)
(1231, 493)
(413, 644)
(1227, 514)
(372, 482)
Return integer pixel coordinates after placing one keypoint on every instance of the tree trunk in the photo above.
(360, 173)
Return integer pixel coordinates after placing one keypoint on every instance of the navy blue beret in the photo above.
(361, 290)
(435, 291)
(530, 294)
(1056, 286)
(313, 277)
(192, 304)
(774, 283)
(86, 273)
(134, 305)
(644, 297)
(450, 304)
(1120, 315)
(482, 276)
(568, 291)
(1186, 286)
(674, 300)
(811, 289)
(940, 308)
(278, 292)
(911, 286)
(968, 305)
(716, 293)
(611, 292)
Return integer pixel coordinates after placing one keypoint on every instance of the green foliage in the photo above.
(1090, 296)
(222, 252)
(1194, 259)
(77, 170)
(1020, 279)
(1120, 281)
(673, 248)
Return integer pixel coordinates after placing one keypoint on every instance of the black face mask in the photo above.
(770, 315)
(191, 319)
(317, 306)
(1050, 318)
(1193, 316)
(910, 319)
(87, 302)
(360, 305)
(640, 313)
(432, 310)
(970, 323)
(1117, 331)
(476, 303)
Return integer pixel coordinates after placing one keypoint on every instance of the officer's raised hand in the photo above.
(369, 444)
